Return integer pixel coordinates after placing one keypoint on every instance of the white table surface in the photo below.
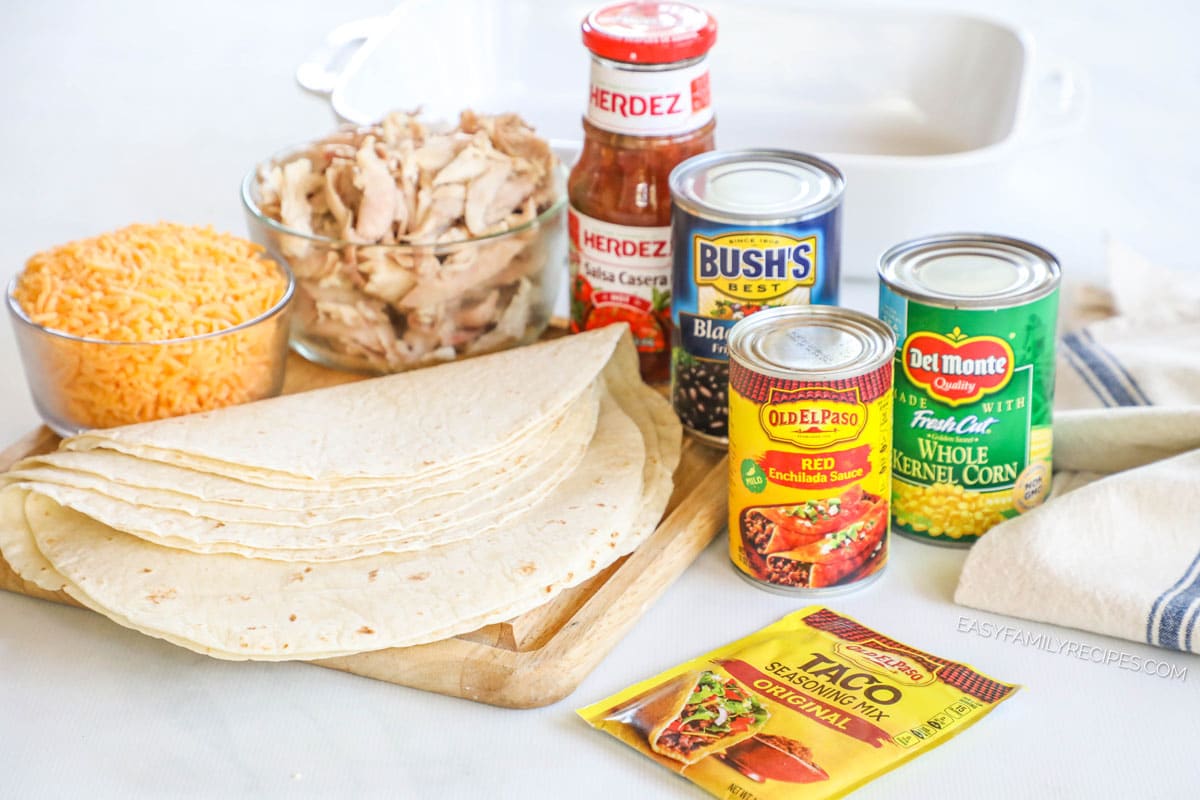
(136, 111)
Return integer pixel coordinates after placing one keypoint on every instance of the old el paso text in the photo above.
(888, 661)
(627, 248)
(811, 416)
(636, 105)
(951, 364)
(821, 669)
(715, 261)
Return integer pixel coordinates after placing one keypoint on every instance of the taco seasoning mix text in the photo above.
(811, 707)
(810, 433)
(649, 108)
(751, 229)
(974, 317)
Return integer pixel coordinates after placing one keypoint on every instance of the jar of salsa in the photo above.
(649, 108)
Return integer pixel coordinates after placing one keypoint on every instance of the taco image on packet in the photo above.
(813, 707)
(692, 715)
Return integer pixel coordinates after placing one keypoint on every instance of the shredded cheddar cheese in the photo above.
(144, 292)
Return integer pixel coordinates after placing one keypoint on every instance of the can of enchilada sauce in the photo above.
(810, 435)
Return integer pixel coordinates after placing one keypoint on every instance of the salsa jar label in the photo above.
(642, 102)
(809, 477)
(724, 273)
(974, 391)
(621, 273)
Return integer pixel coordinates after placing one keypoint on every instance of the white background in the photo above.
(122, 112)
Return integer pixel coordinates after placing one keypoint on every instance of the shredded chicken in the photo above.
(377, 209)
(439, 295)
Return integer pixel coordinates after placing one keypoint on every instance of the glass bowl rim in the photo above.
(252, 208)
(19, 315)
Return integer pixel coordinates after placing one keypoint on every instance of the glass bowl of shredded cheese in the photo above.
(147, 322)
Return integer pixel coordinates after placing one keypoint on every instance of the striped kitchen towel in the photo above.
(1136, 344)
(1117, 548)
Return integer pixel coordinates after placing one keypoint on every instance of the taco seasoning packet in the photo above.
(813, 706)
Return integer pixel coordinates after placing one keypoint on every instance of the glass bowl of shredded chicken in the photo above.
(414, 244)
(149, 321)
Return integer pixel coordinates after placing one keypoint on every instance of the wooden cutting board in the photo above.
(539, 657)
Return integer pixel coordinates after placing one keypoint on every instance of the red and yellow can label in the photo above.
(809, 477)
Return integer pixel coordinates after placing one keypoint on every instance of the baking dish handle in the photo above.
(1058, 101)
(320, 72)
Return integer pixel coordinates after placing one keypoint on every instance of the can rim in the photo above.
(851, 321)
(823, 591)
(714, 158)
(891, 258)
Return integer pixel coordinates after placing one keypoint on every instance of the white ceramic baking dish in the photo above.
(920, 109)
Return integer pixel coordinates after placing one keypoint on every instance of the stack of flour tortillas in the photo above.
(384, 513)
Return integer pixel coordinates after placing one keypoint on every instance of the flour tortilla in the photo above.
(433, 420)
(19, 548)
(179, 520)
(235, 605)
(335, 541)
(160, 485)
(663, 434)
(126, 594)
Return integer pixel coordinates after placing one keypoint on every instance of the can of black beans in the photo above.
(750, 230)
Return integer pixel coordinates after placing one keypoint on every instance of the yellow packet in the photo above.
(813, 706)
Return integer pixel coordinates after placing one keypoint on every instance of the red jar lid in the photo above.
(649, 32)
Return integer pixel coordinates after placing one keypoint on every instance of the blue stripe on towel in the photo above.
(1076, 365)
(1111, 380)
(1182, 593)
(1133, 384)
(1187, 642)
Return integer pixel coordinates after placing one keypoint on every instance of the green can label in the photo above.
(973, 411)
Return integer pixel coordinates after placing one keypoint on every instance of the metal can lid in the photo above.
(649, 32)
(760, 186)
(819, 343)
(970, 270)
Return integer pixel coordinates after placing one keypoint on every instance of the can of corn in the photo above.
(974, 316)
(810, 429)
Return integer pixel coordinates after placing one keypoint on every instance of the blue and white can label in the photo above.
(725, 272)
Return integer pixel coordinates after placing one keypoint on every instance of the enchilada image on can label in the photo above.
(974, 317)
(751, 229)
(810, 431)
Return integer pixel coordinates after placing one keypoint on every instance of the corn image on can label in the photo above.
(974, 318)
(810, 399)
